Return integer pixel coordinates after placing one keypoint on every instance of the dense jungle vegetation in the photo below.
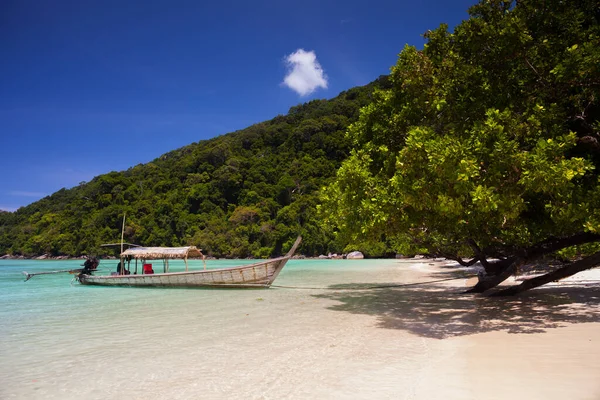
(244, 194)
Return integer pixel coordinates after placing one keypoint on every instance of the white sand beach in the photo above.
(544, 344)
(431, 342)
(337, 338)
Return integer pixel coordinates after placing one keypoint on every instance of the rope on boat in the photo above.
(374, 286)
(28, 275)
(571, 283)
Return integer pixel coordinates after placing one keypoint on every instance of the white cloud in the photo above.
(305, 74)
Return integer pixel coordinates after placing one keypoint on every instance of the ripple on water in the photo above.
(63, 341)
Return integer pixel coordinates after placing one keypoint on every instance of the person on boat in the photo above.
(91, 263)
(121, 269)
(89, 266)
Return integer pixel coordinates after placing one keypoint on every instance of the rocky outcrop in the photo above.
(355, 255)
(11, 257)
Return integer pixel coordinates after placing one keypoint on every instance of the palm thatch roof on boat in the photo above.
(153, 253)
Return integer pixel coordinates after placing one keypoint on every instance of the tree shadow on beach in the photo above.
(441, 312)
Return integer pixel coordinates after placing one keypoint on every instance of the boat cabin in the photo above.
(143, 256)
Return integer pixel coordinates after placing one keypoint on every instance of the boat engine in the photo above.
(91, 264)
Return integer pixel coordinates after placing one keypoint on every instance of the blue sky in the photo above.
(89, 87)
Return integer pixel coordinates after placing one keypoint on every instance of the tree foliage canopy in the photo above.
(487, 142)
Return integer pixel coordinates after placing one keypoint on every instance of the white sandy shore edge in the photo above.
(583, 278)
(414, 337)
(428, 342)
(550, 354)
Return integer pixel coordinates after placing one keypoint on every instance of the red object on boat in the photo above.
(148, 269)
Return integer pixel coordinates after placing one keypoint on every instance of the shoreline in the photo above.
(323, 334)
(541, 345)
(295, 257)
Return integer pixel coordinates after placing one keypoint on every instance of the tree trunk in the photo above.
(490, 281)
(571, 269)
(497, 267)
(498, 272)
(460, 260)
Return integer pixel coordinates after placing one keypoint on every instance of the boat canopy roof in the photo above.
(153, 253)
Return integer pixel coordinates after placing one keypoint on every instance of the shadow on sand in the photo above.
(440, 311)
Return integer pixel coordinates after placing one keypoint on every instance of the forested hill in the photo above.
(244, 194)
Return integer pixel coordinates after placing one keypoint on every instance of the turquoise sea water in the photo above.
(61, 340)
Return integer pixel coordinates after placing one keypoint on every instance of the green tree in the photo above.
(486, 144)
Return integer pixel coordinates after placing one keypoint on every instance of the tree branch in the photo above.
(460, 260)
(553, 244)
(480, 255)
(508, 267)
(571, 269)
(499, 271)
(542, 80)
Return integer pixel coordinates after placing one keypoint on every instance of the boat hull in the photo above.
(259, 275)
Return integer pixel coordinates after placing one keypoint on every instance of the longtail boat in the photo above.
(257, 275)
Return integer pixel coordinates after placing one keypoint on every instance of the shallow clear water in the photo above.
(66, 341)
